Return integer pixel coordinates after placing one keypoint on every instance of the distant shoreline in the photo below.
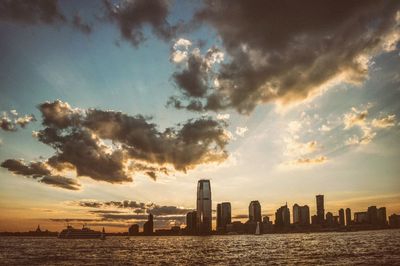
(326, 230)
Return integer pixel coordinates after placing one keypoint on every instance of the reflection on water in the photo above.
(369, 247)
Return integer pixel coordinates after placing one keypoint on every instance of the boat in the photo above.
(84, 233)
(258, 229)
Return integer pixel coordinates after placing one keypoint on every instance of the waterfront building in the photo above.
(394, 220)
(282, 216)
(329, 218)
(301, 214)
(360, 217)
(372, 215)
(341, 217)
(348, 216)
(224, 216)
(255, 211)
(191, 223)
(133, 230)
(382, 216)
(314, 220)
(204, 211)
(320, 209)
(148, 226)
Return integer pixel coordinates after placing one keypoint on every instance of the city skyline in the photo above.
(106, 116)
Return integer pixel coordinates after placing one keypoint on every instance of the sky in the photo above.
(110, 110)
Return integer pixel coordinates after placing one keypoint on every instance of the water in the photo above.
(368, 247)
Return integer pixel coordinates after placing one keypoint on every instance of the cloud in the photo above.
(223, 116)
(360, 118)
(10, 124)
(179, 51)
(78, 24)
(305, 161)
(324, 128)
(240, 131)
(167, 210)
(131, 16)
(24, 120)
(355, 117)
(31, 12)
(384, 122)
(287, 53)
(6, 124)
(41, 172)
(111, 146)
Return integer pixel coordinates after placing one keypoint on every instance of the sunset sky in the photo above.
(114, 109)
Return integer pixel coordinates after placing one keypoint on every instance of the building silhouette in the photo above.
(394, 220)
(282, 216)
(320, 209)
(301, 214)
(329, 218)
(133, 230)
(204, 211)
(382, 220)
(148, 227)
(255, 211)
(191, 223)
(224, 216)
(348, 216)
(341, 217)
(360, 217)
(372, 215)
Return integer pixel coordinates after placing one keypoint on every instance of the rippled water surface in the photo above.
(368, 247)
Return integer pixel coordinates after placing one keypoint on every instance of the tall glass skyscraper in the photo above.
(320, 209)
(223, 215)
(204, 210)
(255, 211)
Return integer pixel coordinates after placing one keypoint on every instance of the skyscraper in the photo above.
(382, 220)
(223, 215)
(320, 209)
(348, 216)
(148, 226)
(282, 216)
(191, 222)
(341, 217)
(301, 214)
(372, 215)
(204, 216)
(255, 211)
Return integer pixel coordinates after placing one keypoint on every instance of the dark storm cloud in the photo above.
(284, 51)
(79, 138)
(34, 12)
(40, 171)
(31, 12)
(78, 24)
(132, 16)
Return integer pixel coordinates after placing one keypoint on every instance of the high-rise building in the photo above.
(191, 222)
(148, 226)
(382, 220)
(255, 211)
(223, 215)
(320, 209)
(394, 220)
(204, 210)
(282, 216)
(341, 217)
(348, 216)
(372, 215)
(360, 217)
(329, 218)
(296, 214)
(301, 214)
(305, 215)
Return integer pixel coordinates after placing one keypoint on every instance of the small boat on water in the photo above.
(84, 233)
